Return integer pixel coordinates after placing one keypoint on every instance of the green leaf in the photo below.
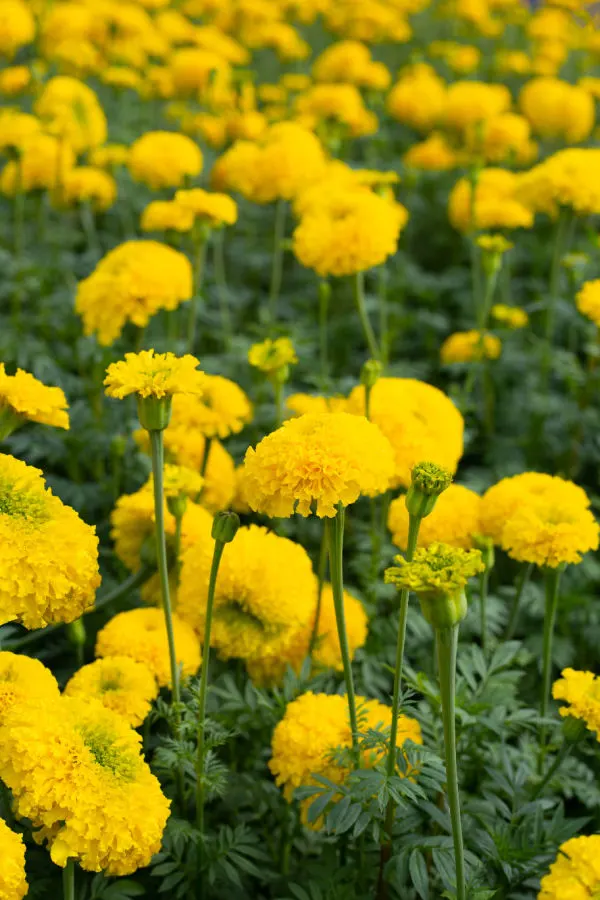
(418, 874)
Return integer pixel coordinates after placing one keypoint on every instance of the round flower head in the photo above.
(49, 570)
(44, 161)
(588, 301)
(299, 404)
(268, 669)
(266, 592)
(349, 62)
(76, 770)
(568, 178)
(434, 154)
(469, 102)
(84, 184)
(454, 520)
(339, 105)
(436, 569)
(419, 421)
(576, 873)
(13, 883)
(558, 110)
(162, 159)
(24, 680)
(25, 399)
(315, 726)
(17, 27)
(154, 375)
(322, 459)
(120, 684)
(130, 284)
(470, 346)
(510, 316)
(539, 518)
(166, 215)
(141, 635)
(272, 355)
(581, 692)
(505, 138)
(418, 98)
(223, 408)
(214, 209)
(499, 202)
(70, 109)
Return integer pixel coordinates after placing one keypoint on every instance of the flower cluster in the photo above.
(580, 691)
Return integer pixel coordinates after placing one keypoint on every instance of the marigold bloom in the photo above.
(24, 680)
(469, 102)
(70, 109)
(25, 399)
(43, 162)
(212, 208)
(193, 67)
(321, 459)
(581, 693)
(130, 284)
(76, 770)
(272, 355)
(434, 154)
(141, 635)
(419, 421)
(337, 105)
(120, 684)
(166, 215)
(588, 301)
(575, 875)
(350, 62)
(222, 410)
(569, 178)
(470, 346)
(558, 110)
(13, 883)
(266, 592)
(85, 184)
(454, 520)
(14, 80)
(509, 316)
(418, 99)
(49, 555)
(162, 159)
(16, 127)
(505, 138)
(109, 156)
(498, 203)
(298, 404)
(436, 569)
(150, 374)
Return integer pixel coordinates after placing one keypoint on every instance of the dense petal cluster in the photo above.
(272, 355)
(49, 569)
(130, 284)
(24, 680)
(470, 346)
(499, 202)
(163, 159)
(454, 520)
(70, 109)
(418, 98)
(334, 107)
(27, 399)
(44, 161)
(568, 178)
(13, 883)
(509, 316)
(150, 374)
(86, 184)
(322, 459)
(581, 693)
(17, 26)
(166, 215)
(223, 408)
(436, 569)
(588, 301)
(76, 770)
(120, 684)
(471, 102)
(558, 110)
(575, 875)
(210, 207)
(350, 62)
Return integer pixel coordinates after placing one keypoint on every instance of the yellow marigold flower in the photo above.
(17, 26)
(283, 162)
(589, 84)
(141, 635)
(418, 99)
(16, 128)
(295, 82)
(76, 770)
(166, 215)
(150, 374)
(298, 404)
(581, 693)
(575, 875)
(454, 520)
(510, 316)
(435, 569)
(162, 159)
(568, 178)
(558, 110)
(419, 421)
(70, 109)
(588, 301)
(463, 58)
(213, 208)
(470, 346)
(321, 459)
(315, 726)
(469, 102)
(120, 684)
(222, 410)
(24, 680)
(433, 154)
(269, 668)
(354, 231)
(13, 883)
(130, 284)
(514, 62)
(494, 243)
(121, 77)
(25, 399)
(498, 203)
(350, 62)
(266, 592)
(272, 355)
(85, 184)
(335, 104)
(49, 556)
(539, 518)
(43, 163)
(505, 138)
(109, 156)
(192, 69)
(14, 80)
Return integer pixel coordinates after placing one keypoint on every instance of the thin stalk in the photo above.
(177, 544)
(221, 285)
(561, 756)
(212, 583)
(277, 267)
(552, 584)
(447, 643)
(359, 294)
(156, 446)
(321, 574)
(382, 293)
(484, 578)
(206, 454)
(278, 391)
(200, 254)
(514, 610)
(69, 880)
(88, 223)
(335, 541)
(558, 250)
(324, 295)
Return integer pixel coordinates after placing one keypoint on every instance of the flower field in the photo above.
(299, 416)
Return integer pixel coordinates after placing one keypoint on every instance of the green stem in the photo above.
(221, 284)
(359, 294)
(514, 610)
(156, 446)
(558, 250)
(324, 296)
(200, 798)
(552, 584)
(561, 756)
(277, 267)
(177, 544)
(382, 291)
(205, 455)
(336, 567)
(447, 643)
(278, 390)
(69, 880)
(484, 578)
(200, 253)
(321, 581)
(88, 223)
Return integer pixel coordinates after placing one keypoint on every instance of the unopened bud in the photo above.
(428, 481)
(225, 526)
(371, 373)
(443, 610)
(486, 545)
(154, 413)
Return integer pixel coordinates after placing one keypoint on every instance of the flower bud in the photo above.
(428, 482)
(486, 546)
(225, 526)
(154, 413)
(371, 373)
(177, 505)
(573, 729)
(443, 610)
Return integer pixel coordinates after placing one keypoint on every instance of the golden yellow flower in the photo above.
(272, 355)
(166, 215)
(43, 162)
(212, 208)
(505, 138)
(350, 62)
(298, 404)
(328, 106)
(109, 156)
(24, 680)
(25, 399)
(569, 178)
(17, 26)
(558, 110)
(454, 520)
(581, 692)
(418, 98)
(14, 80)
(509, 316)
(85, 184)
(120, 684)
(470, 346)
(499, 202)
(469, 102)
(70, 109)
(575, 875)
(435, 569)
(150, 374)
(13, 883)
(162, 159)
(588, 301)
(16, 127)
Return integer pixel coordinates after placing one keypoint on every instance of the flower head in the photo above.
(558, 110)
(436, 569)
(510, 316)
(13, 883)
(470, 346)
(499, 202)
(166, 215)
(119, 683)
(222, 409)
(325, 459)
(24, 680)
(23, 398)
(163, 159)
(581, 693)
(576, 871)
(272, 355)
(588, 301)
(454, 520)
(214, 209)
(150, 374)
(85, 184)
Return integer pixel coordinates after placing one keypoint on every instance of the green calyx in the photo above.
(154, 413)
(225, 526)
(443, 610)
(428, 481)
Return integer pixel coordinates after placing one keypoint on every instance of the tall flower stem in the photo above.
(446, 644)
(561, 756)
(359, 294)
(321, 581)
(382, 296)
(69, 880)
(277, 266)
(156, 446)
(278, 391)
(335, 539)
(484, 578)
(516, 604)
(199, 259)
(324, 297)
(558, 251)
(205, 455)
(214, 570)
(221, 284)
(552, 584)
